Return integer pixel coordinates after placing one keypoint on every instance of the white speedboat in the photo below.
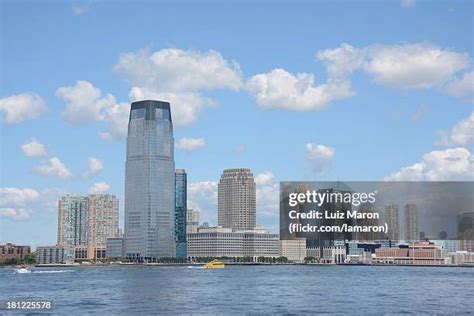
(22, 270)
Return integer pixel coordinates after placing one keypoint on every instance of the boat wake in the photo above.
(53, 271)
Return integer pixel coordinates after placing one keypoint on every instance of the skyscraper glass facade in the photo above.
(180, 212)
(150, 182)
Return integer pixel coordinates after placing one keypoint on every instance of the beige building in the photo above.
(411, 223)
(294, 249)
(228, 242)
(392, 219)
(192, 221)
(236, 205)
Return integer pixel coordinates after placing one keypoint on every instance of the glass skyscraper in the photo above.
(180, 212)
(150, 182)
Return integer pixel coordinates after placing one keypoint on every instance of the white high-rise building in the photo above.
(192, 221)
(236, 199)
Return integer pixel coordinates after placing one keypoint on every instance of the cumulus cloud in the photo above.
(319, 156)
(188, 73)
(33, 148)
(19, 214)
(462, 134)
(99, 187)
(462, 88)
(53, 167)
(84, 103)
(202, 196)
(190, 144)
(94, 166)
(451, 164)
(264, 178)
(11, 196)
(22, 107)
(116, 118)
(281, 89)
(407, 66)
(20, 203)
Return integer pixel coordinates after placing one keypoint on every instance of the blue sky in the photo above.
(305, 90)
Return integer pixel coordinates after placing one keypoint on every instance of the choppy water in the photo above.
(245, 289)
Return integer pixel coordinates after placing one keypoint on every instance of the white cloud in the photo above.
(94, 166)
(22, 107)
(11, 196)
(408, 66)
(84, 103)
(462, 134)
(202, 196)
(342, 61)
(414, 66)
(319, 156)
(80, 10)
(441, 165)
(408, 3)
(179, 76)
(15, 214)
(462, 88)
(116, 117)
(33, 148)
(99, 187)
(190, 144)
(264, 178)
(281, 89)
(53, 167)
(176, 70)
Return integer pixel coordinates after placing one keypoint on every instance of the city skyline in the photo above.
(292, 103)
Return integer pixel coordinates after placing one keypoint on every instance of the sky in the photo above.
(293, 90)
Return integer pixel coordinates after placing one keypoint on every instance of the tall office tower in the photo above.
(180, 205)
(367, 222)
(87, 220)
(103, 212)
(192, 221)
(393, 222)
(466, 231)
(73, 220)
(411, 223)
(236, 205)
(149, 182)
(180, 212)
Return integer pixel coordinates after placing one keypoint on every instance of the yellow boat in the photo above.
(214, 265)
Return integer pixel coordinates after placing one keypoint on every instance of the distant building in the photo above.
(466, 231)
(368, 222)
(393, 222)
(114, 248)
(228, 242)
(293, 249)
(236, 202)
(10, 251)
(192, 221)
(180, 212)
(418, 253)
(55, 254)
(411, 223)
(103, 211)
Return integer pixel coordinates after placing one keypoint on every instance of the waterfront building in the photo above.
(417, 253)
(55, 254)
(293, 249)
(332, 254)
(150, 182)
(393, 222)
(229, 242)
(236, 205)
(192, 221)
(10, 251)
(114, 248)
(448, 244)
(180, 212)
(73, 220)
(85, 222)
(466, 231)
(367, 222)
(411, 223)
